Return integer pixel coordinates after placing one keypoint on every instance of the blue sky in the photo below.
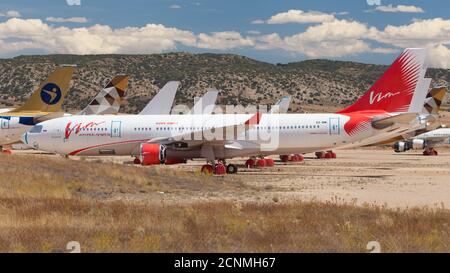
(363, 28)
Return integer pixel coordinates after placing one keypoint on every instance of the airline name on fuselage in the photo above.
(78, 127)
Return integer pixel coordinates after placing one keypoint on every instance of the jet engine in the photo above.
(152, 154)
(401, 146)
(419, 144)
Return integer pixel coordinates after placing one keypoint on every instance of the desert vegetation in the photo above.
(241, 80)
(46, 202)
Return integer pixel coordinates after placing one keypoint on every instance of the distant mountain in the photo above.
(312, 83)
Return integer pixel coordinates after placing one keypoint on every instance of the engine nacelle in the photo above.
(419, 144)
(401, 146)
(173, 161)
(152, 154)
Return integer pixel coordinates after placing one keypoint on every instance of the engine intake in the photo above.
(419, 144)
(401, 146)
(152, 154)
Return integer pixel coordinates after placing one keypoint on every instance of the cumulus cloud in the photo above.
(97, 39)
(175, 6)
(299, 16)
(399, 8)
(223, 40)
(329, 39)
(67, 20)
(10, 13)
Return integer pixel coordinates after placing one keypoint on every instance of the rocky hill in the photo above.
(313, 84)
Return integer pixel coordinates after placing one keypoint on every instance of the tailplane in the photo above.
(401, 88)
(51, 93)
(109, 99)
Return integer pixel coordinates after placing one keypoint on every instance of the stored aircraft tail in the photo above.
(434, 100)
(109, 99)
(161, 104)
(51, 93)
(401, 88)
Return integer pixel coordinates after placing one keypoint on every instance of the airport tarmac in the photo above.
(362, 176)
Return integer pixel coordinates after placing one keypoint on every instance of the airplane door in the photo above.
(334, 126)
(116, 128)
(5, 123)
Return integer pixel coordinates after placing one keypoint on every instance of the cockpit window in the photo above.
(36, 129)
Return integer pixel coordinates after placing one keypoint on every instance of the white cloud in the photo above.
(97, 39)
(329, 39)
(10, 13)
(299, 16)
(439, 55)
(399, 8)
(175, 6)
(258, 22)
(223, 40)
(67, 20)
(253, 32)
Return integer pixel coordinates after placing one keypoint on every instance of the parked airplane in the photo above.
(429, 116)
(426, 141)
(391, 104)
(45, 103)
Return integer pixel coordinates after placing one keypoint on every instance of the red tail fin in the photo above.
(394, 91)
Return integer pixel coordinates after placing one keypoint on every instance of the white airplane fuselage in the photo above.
(275, 133)
(12, 128)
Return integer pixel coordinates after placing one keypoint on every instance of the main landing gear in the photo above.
(430, 152)
(292, 158)
(327, 155)
(221, 168)
(254, 162)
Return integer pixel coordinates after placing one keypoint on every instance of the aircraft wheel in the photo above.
(207, 169)
(250, 163)
(269, 162)
(284, 158)
(320, 155)
(232, 169)
(261, 163)
(136, 161)
(220, 169)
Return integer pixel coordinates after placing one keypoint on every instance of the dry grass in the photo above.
(47, 202)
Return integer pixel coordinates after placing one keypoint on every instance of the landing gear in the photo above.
(269, 162)
(221, 168)
(136, 161)
(293, 158)
(5, 151)
(328, 154)
(250, 163)
(297, 158)
(207, 169)
(232, 169)
(430, 152)
(284, 158)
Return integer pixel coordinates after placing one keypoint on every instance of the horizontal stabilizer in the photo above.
(384, 122)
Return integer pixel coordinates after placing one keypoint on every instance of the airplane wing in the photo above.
(384, 122)
(205, 105)
(200, 137)
(161, 104)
